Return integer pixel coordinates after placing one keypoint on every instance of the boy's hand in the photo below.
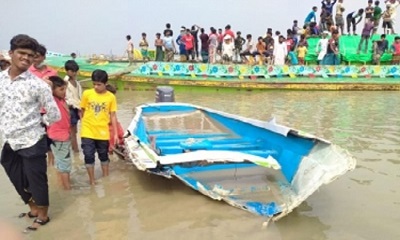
(116, 139)
(46, 80)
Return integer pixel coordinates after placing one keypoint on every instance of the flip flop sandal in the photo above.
(38, 221)
(28, 214)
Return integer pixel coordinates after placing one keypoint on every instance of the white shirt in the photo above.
(130, 46)
(74, 94)
(21, 100)
(249, 46)
(228, 48)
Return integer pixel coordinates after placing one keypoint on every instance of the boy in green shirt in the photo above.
(376, 16)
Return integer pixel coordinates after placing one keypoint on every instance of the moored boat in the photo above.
(259, 166)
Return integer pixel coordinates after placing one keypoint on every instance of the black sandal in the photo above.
(28, 214)
(38, 221)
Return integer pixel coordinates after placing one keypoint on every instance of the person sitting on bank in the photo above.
(396, 51)
(380, 47)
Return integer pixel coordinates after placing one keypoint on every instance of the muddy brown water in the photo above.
(130, 204)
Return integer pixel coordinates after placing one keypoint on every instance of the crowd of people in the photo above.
(39, 113)
(225, 46)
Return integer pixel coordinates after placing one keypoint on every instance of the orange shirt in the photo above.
(261, 47)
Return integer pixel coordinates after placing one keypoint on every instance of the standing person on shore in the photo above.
(168, 29)
(229, 32)
(212, 46)
(204, 45)
(328, 5)
(369, 10)
(144, 47)
(387, 21)
(188, 40)
(169, 47)
(99, 108)
(280, 52)
(129, 49)
(220, 41)
(339, 20)
(42, 71)
(39, 68)
(322, 47)
(73, 99)
(181, 45)
(365, 35)
(23, 156)
(301, 54)
(393, 8)
(158, 43)
(239, 42)
(195, 32)
(377, 16)
(295, 30)
(332, 53)
(353, 19)
(324, 17)
(59, 132)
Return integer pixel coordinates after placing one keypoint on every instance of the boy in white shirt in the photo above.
(73, 99)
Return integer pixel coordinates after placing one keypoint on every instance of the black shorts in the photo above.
(91, 146)
(387, 24)
(74, 113)
(27, 170)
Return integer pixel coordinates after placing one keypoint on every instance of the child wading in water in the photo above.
(73, 98)
(120, 131)
(99, 108)
(59, 132)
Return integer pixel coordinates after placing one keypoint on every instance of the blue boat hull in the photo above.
(259, 166)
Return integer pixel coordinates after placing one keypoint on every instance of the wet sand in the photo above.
(129, 204)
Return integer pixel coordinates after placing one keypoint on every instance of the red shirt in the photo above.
(60, 131)
(46, 72)
(188, 40)
(230, 33)
(396, 48)
(120, 132)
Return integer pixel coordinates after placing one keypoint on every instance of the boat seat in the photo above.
(196, 144)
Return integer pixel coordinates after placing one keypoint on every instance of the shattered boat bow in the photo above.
(262, 167)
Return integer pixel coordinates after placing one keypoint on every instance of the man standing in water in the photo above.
(23, 156)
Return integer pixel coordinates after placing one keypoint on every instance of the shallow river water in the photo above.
(129, 204)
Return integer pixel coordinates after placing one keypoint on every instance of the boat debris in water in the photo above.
(259, 166)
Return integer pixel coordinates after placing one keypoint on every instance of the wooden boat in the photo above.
(258, 166)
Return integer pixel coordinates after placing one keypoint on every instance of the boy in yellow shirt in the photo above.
(99, 108)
